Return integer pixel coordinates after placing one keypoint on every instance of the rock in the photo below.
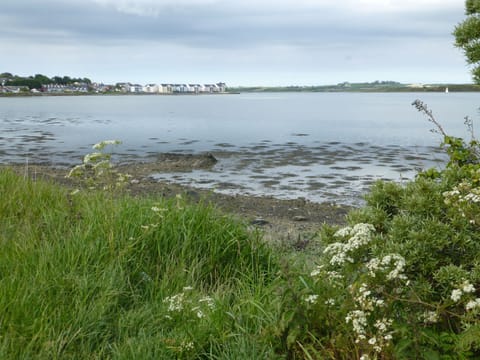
(259, 222)
(204, 161)
(299, 218)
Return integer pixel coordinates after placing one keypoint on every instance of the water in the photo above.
(321, 146)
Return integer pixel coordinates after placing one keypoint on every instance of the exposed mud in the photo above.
(293, 222)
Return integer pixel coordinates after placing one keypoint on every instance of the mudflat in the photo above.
(294, 221)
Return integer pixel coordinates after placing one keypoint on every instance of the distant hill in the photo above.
(377, 86)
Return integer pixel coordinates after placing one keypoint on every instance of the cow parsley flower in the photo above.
(311, 299)
(472, 304)
(456, 295)
(467, 287)
(430, 317)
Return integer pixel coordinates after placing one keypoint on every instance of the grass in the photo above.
(91, 276)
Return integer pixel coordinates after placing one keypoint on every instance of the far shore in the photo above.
(340, 88)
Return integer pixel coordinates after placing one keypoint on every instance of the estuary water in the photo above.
(319, 146)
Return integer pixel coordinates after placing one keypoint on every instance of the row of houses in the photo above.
(57, 88)
(50, 88)
(13, 89)
(172, 88)
(120, 87)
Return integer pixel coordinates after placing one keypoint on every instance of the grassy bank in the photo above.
(88, 276)
(99, 275)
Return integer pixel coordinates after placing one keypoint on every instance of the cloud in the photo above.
(227, 36)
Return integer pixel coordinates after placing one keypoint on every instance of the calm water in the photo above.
(322, 146)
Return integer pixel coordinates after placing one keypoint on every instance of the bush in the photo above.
(403, 280)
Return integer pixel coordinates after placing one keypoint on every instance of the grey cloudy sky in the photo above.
(241, 42)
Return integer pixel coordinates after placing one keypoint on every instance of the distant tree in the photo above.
(57, 80)
(44, 80)
(31, 83)
(467, 36)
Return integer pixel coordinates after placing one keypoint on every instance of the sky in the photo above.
(239, 42)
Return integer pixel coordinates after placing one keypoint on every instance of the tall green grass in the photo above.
(94, 276)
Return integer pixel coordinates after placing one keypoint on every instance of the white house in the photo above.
(151, 88)
(165, 88)
(135, 88)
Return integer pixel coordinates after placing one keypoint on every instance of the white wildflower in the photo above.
(472, 198)
(311, 299)
(472, 304)
(77, 170)
(209, 301)
(93, 157)
(360, 235)
(467, 287)
(376, 266)
(198, 312)
(330, 302)
(358, 318)
(101, 145)
(175, 302)
(430, 317)
(317, 271)
(373, 266)
(343, 232)
(388, 337)
(186, 346)
(456, 295)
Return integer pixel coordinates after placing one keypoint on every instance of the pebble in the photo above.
(299, 218)
(259, 221)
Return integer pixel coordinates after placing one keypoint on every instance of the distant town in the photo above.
(41, 84)
(11, 85)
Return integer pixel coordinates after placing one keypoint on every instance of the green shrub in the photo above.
(402, 281)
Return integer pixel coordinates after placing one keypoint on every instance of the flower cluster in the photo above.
(473, 305)
(358, 236)
(102, 144)
(311, 299)
(368, 311)
(464, 288)
(394, 264)
(374, 333)
(184, 303)
(97, 169)
(429, 317)
(465, 198)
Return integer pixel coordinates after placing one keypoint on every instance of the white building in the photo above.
(151, 88)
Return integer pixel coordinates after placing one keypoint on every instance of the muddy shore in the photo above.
(294, 222)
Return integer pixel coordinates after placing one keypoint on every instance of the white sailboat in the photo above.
(446, 90)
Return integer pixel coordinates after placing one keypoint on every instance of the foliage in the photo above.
(97, 170)
(87, 276)
(39, 80)
(467, 35)
(403, 280)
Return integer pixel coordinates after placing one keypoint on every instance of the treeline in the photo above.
(38, 80)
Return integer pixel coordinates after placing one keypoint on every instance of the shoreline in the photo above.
(291, 222)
